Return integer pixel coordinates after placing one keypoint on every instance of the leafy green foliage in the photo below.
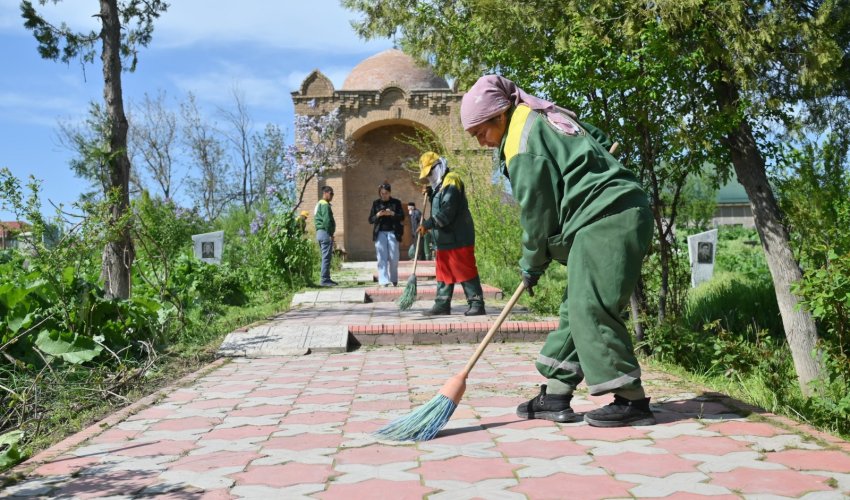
(9, 453)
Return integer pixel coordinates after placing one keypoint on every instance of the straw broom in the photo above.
(425, 422)
(409, 294)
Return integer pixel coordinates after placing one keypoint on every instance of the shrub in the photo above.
(737, 303)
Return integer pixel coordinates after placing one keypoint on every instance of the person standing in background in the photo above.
(386, 217)
(415, 218)
(323, 217)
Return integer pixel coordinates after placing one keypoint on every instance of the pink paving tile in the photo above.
(304, 442)
(66, 464)
(605, 434)
(314, 418)
(181, 396)
(377, 455)
(735, 428)
(230, 388)
(464, 435)
(107, 484)
(289, 379)
(367, 426)
(787, 483)
(494, 402)
(208, 404)
(278, 476)
(381, 405)
(340, 383)
(381, 389)
(209, 461)
(114, 435)
(542, 449)
(466, 469)
(833, 461)
(636, 463)
(184, 424)
(241, 432)
(560, 486)
(259, 411)
(154, 448)
(718, 445)
(367, 490)
(319, 399)
(691, 496)
(153, 413)
(273, 393)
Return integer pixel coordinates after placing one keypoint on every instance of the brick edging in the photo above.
(104, 424)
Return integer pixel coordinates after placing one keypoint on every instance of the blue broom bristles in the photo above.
(408, 295)
(421, 425)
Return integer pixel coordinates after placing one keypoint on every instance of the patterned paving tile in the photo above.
(782, 482)
(559, 486)
(635, 463)
(277, 476)
(367, 490)
(466, 469)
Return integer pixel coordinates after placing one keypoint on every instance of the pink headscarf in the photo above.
(493, 94)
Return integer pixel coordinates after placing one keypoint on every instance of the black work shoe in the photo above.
(621, 412)
(476, 310)
(554, 407)
(328, 283)
(438, 311)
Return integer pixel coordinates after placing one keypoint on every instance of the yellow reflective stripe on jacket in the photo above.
(518, 130)
(452, 179)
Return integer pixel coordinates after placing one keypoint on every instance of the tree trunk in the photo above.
(119, 253)
(800, 329)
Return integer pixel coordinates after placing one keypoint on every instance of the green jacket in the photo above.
(562, 183)
(324, 217)
(450, 221)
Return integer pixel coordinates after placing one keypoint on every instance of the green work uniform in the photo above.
(452, 226)
(580, 206)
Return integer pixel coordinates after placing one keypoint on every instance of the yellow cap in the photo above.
(426, 162)
(305, 213)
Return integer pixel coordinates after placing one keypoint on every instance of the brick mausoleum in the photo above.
(386, 97)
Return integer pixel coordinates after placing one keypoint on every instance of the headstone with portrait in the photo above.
(701, 251)
(208, 246)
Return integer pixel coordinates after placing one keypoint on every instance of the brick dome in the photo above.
(392, 67)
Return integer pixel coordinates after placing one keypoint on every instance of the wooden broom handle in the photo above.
(505, 311)
(483, 345)
(419, 236)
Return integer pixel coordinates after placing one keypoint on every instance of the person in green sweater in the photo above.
(454, 236)
(323, 216)
(578, 206)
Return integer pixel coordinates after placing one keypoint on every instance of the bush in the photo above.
(737, 303)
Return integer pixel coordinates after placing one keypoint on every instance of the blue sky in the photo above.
(208, 47)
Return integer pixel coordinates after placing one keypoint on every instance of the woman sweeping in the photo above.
(454, 234)
(578, 206)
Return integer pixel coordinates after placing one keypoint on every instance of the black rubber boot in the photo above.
(474, 297)
(443, 300)
(621, 412)
(554, 407)
(475, 310)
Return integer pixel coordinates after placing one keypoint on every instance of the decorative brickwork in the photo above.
(385, 98)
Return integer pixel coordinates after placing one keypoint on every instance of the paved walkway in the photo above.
(299, 426)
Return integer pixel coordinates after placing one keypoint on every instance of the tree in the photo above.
(207, 152)
(270, 162)
(239, 136)
(153, 136)
(725, 67)
(124, 27)
(319, 145)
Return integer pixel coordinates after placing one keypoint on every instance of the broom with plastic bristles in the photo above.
(409, 294)
(426, 421)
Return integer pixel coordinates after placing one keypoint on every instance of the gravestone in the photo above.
(701, 251)
(208, 246)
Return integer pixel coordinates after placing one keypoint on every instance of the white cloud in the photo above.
(322, 25)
